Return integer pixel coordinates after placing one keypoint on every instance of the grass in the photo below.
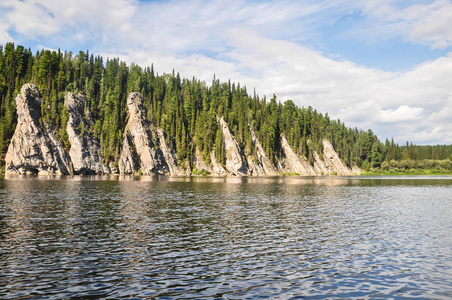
(290, 174)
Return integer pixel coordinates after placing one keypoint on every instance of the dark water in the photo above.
(233, 238)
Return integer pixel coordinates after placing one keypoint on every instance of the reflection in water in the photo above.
(225, 237)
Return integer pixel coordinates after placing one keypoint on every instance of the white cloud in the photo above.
(423, 23)
(371, 112)
(30, 18)
(4, 36)
(81, 19)
(436, 135)
(445, 114)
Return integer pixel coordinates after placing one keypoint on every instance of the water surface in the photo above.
(226, 238)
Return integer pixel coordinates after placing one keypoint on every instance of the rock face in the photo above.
(140, 151)
(85, 149)
(261, 165)
(292, 163)
(168, 153)
(235, 160)
(199, 163)
(217, 168)
(332, 160)
(34, 149)
(319, 165)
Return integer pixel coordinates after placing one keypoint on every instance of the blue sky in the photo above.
(384, 65)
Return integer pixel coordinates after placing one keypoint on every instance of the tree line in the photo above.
(187, 109)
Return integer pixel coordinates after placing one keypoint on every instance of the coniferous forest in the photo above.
(187, 109)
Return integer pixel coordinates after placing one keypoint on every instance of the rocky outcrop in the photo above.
(34, 148)
(356, 170)
(85, 149)
(292, 163)
(331, 164)
(168, 154)
(141, 153)
(332, 160)
(319, 165)
(235, 160)
(199, 163)
(260, 164)
(217, 168)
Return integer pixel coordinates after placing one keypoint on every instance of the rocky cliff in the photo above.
(36, 149)
(144, 151)
(260, 165)
(290, 162)
(85, 149)
(332, 160)
(235, 160)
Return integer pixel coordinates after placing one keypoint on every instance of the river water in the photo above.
(226, 238)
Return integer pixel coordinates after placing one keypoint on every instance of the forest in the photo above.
(187, 109)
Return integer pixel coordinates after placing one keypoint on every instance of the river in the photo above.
(226, 238)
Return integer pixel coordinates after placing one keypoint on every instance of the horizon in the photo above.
(382, 66)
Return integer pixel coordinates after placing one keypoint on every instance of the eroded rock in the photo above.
(235, 160)
(34, 148)
(292, 163)
(85, 148)
(260, 165)
(141, 153)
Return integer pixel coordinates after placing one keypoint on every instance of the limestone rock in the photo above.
(217, 168)
(319, 165)
(85, 149)
(168, 153)
(332, 160)
(34, 148)
(235, 160)
(199, 163)
(261, 164)
(140, 152)
(291, 162)
(356, 170)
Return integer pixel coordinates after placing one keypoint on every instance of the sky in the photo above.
(383, 65)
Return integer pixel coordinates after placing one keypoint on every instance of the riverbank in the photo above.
(374, 172)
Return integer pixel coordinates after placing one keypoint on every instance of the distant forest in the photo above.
(187, 109)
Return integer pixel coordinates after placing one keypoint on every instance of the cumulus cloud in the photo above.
(371, 112)
(436, 135)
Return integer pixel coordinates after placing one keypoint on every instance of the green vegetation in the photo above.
(200, 172)
(413, 167)
(187, 109)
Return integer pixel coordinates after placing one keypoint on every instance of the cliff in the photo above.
(85, 149)
(261, 164)
(290, 162)
(235, 160)
(34, 148)
(144, 151)
(37, 149)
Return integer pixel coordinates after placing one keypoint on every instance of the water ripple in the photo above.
(246, 239)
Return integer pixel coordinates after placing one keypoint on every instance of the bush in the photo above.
(200, 172)
(446, 164)
(385, 166)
